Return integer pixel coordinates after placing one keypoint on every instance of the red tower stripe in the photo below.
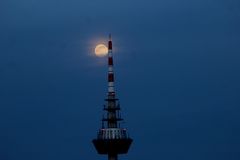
(110, 61)
(110, 77)
(110, 45)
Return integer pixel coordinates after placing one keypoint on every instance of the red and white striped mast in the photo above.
(111, 91)
(111, 100)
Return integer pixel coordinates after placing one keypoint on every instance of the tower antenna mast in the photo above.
(112, 140)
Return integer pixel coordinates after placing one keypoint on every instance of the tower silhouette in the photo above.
(111, 138)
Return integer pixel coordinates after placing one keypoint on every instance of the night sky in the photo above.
(177, 67)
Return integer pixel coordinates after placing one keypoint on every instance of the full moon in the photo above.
(101, 50)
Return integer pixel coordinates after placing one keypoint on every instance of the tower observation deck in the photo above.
(111, 139)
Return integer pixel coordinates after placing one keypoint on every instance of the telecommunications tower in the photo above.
(111, 138)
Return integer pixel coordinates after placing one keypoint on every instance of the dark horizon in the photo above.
(177, 77)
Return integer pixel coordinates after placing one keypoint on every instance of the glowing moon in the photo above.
(101, 50)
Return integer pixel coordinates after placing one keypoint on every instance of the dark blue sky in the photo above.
(177, 71)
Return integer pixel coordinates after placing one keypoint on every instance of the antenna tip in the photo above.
(110, 37)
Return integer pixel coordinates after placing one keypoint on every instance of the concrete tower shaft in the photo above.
(111, 138)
